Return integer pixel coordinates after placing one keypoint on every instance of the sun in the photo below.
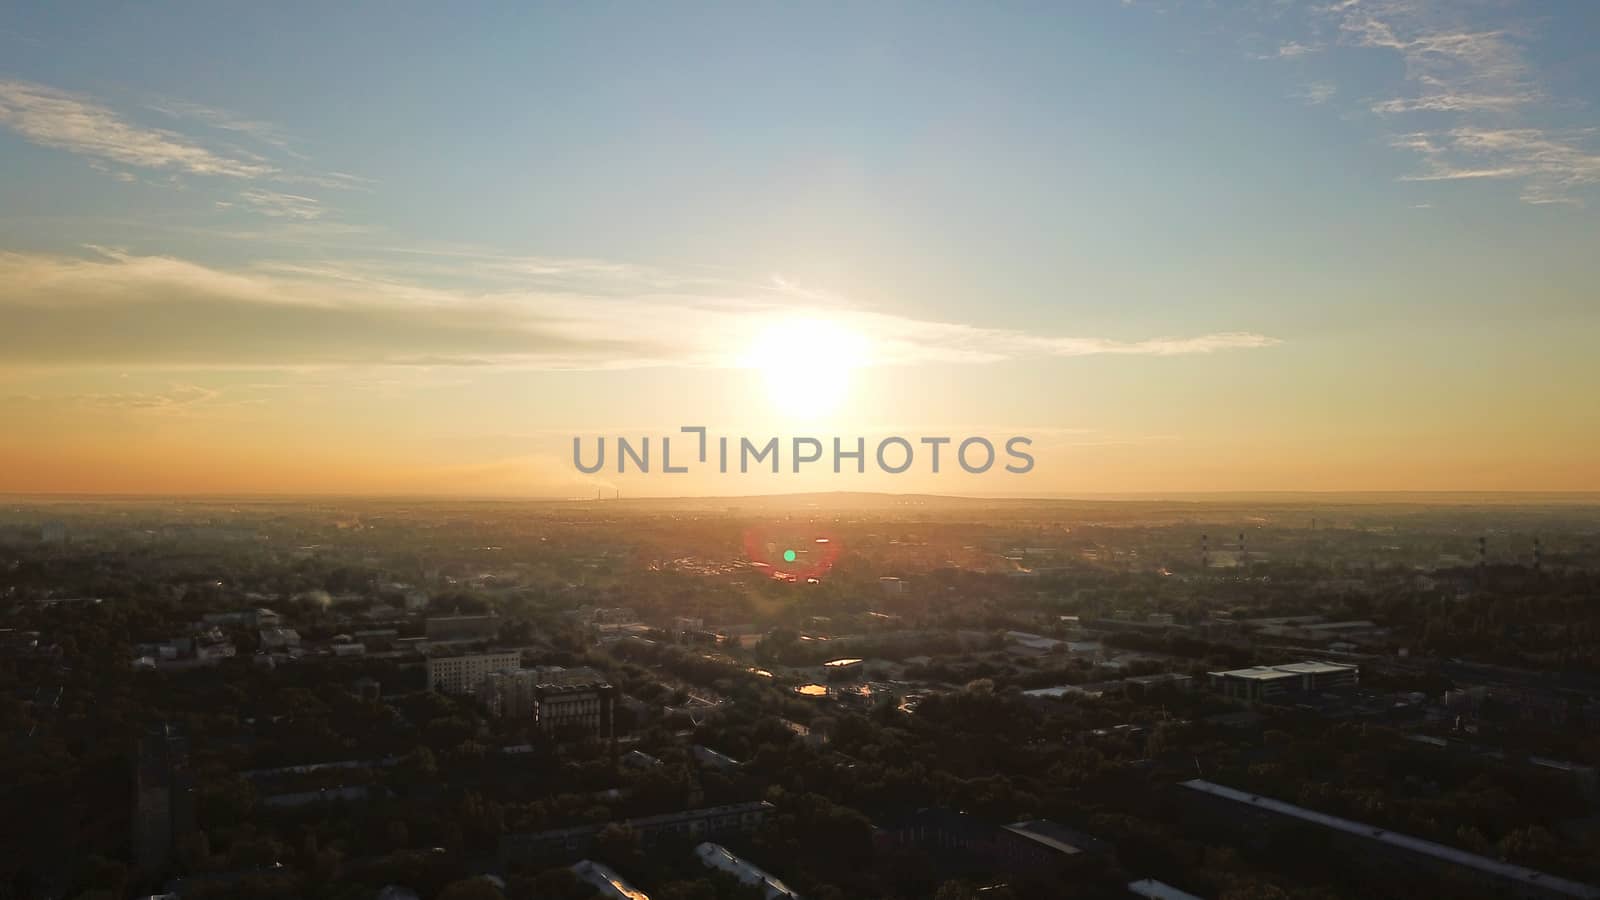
(807, 364)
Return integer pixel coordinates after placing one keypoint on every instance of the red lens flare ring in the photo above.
(791, 553)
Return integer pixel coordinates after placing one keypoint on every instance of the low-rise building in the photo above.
(965, 842)
(1266, 683)
(606, 881)
(709, 757)
(462, 629)
(693, 824)
(1448, 871)
(716, 856)
(842, 668)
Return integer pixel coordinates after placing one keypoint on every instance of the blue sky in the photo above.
(1305, 203)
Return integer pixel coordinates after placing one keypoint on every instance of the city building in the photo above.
(1264, 683)
(509, 693)
(248, 618)
(278, 638)
(1147, 683)
(586, 707)
(461, 629)
(1382, 852)
(606, 881)
(163, 797)
(1034, 643)
(716, 856)
(968, 843)
(461, 674)
(1152, 889)
(559, 700)
(692, 824)
(709, 757)
(842, 668)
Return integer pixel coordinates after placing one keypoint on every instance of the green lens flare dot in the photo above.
(788, 556)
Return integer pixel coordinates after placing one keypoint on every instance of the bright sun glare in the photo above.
(807, 365)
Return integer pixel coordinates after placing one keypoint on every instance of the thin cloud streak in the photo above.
(283, 206)
(160, 312)
(223, 120)
(66, 121)
(85, 127)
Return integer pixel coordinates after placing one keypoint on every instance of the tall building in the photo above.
(587, 708)
(557, 698)
(509, 693)
(462, 674)
(163, 797)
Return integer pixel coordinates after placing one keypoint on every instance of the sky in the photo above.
(408, 248)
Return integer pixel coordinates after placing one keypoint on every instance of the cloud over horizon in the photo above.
(120, 309)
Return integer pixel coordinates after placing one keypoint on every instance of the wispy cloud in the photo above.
(79, 125)
(1317, 92)
(1470, 102)
(1551, 167)
(88, 128)
(1292, 49)
(123, 310)
(283, 206)
(225, 120)
(1478, 74)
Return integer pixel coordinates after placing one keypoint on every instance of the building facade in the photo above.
(464, 673)
(690, 824)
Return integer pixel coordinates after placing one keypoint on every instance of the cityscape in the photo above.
(698, 450)
(821, 696)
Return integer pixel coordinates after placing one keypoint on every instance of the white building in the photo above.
(716, 856)
(462, 674)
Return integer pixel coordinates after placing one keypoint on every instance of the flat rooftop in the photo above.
(1158, 890)
(1441, 852)
(1288, 670)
